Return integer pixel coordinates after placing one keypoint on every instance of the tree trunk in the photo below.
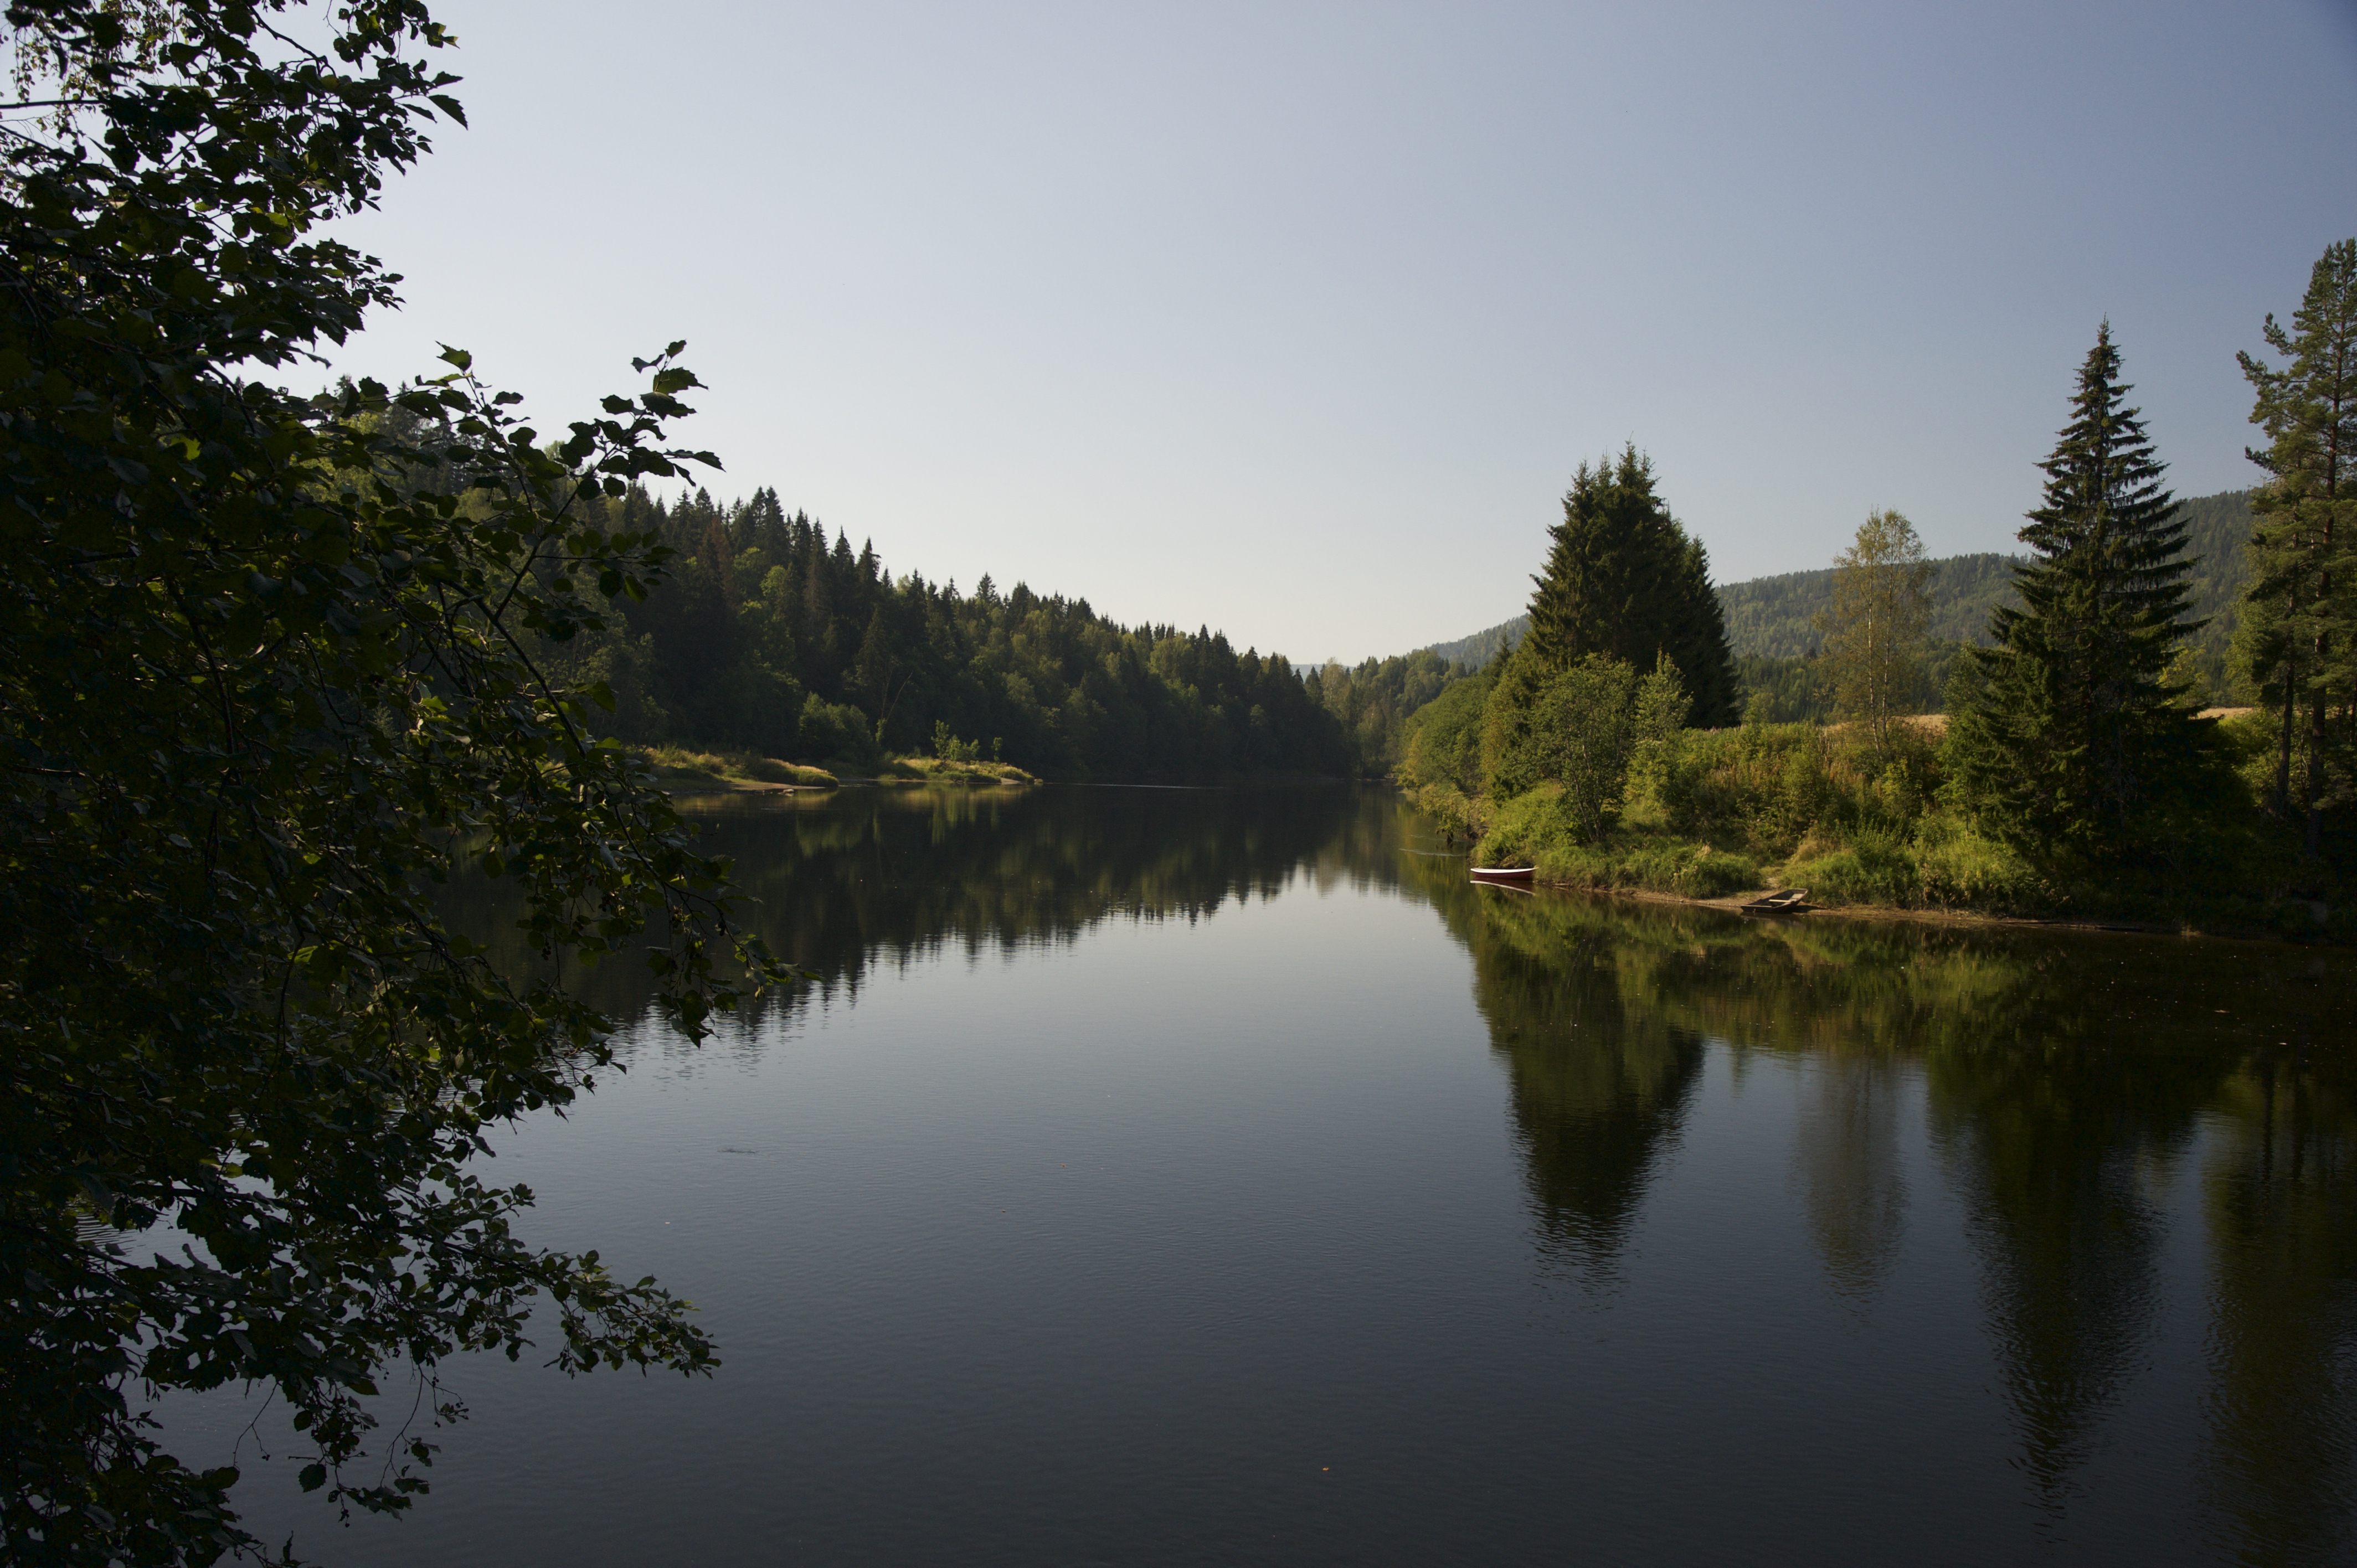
(2315, 763)
(2291, 706)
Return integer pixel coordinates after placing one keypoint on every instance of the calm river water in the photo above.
(1167, 1177)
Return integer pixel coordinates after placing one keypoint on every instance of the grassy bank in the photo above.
(684, 772)
(1801, 805)
(935, 771)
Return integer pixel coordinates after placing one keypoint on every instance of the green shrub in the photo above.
(949, 748)
(1537, 830)
(1859, 823)
(1874, 867)
(943, 770)
(836, 731)
(772, 770)
(1442, 740)
(1528, 826)
(720, 766)
(1587, 731)
(1449, 806)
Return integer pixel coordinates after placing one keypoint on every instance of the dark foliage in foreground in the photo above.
(261, 690)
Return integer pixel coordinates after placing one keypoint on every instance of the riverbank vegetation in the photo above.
(682, 771)
(2077, 769)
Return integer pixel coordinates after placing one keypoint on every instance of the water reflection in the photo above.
(2067, 1080)
(2051, 1153)
(2072, 1091)
(1852, 1180)
(2282, 1210)
(1600, 1086)
(849, 882)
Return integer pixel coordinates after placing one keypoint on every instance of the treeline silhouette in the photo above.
(773, 637)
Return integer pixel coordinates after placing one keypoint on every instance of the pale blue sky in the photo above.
(1294, 318)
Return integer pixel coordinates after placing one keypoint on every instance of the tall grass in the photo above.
(1801, 805)
(1786, 805)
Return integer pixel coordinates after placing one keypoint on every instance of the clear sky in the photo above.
(1294, 318)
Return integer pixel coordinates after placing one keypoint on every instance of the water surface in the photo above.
(1167, 1177)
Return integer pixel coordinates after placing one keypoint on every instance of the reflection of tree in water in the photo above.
(2281, 1185)
(2058, 1124)
(2066, 1074)
(1846, 1152)
(845, 882)
(2049, 1150)
(1599, 1087)
(1597, 1101)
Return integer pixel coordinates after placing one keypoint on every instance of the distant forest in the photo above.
(1771, 620)
(772, 636)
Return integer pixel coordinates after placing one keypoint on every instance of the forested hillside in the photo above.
(1373, 702)
(1771, 620)
(1482, 646)
(1771, 617)
(773, 637)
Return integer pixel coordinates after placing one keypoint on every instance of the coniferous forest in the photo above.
(773, 637)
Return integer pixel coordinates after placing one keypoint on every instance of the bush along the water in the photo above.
(1722, 811)
(1709, 813)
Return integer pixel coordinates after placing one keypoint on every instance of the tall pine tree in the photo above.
(2073, 731)
(1623, 579)
(2298, 640)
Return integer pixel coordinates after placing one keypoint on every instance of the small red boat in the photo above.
(1504, 872)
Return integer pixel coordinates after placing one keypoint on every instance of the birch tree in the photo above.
(1874, 634)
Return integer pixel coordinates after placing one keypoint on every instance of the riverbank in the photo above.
(1720, 816)
(678, 771)
(2284, 918)
(935, 771)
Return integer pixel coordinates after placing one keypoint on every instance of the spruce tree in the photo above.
(2075, 731)
(1623, 579)
(2299, 641)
